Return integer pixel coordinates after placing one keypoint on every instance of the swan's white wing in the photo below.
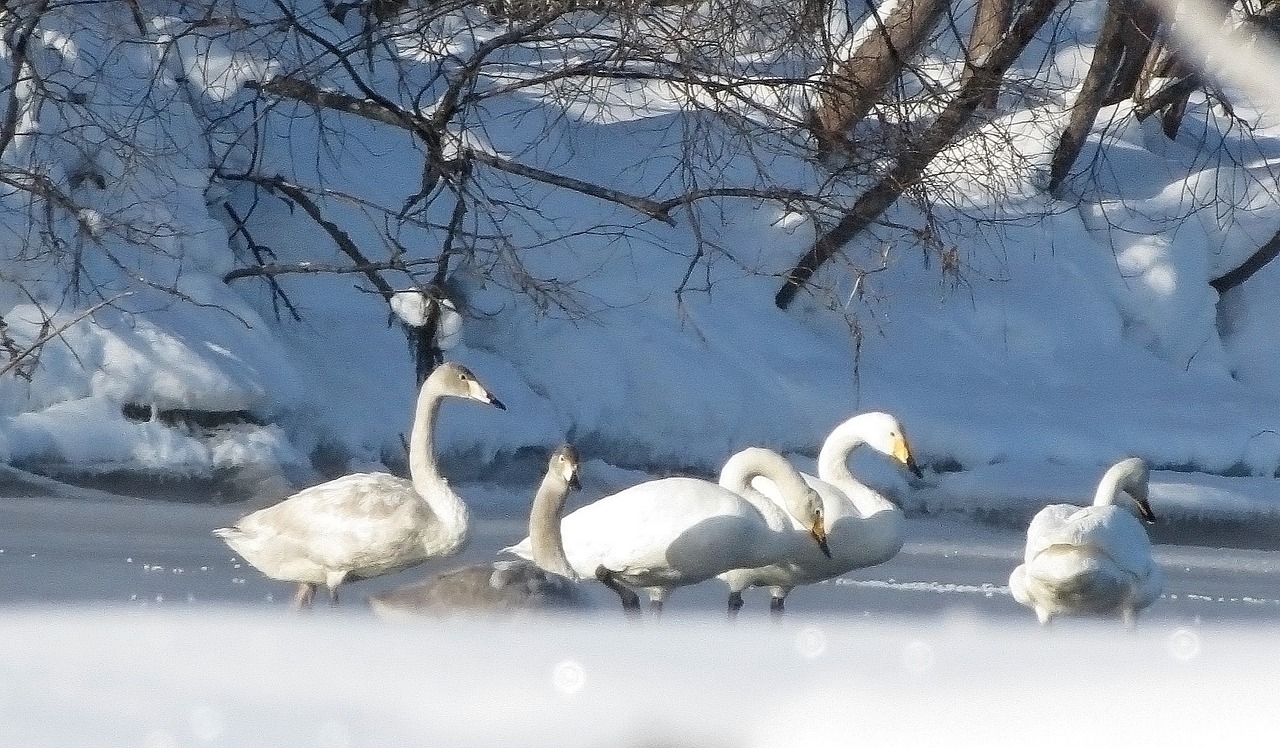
(1111, 530)
(1048, 527)
(341, 523)
(672, 529)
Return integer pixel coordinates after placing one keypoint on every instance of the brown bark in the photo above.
(854, 85)
(990, 20)
(1097, 81)
(916, 155)
(1138, 34)
(1165, 62)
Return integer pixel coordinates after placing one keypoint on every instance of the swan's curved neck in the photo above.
(544, 525)
(738, 471)
(1123, 476)
(833, 467)
(447, 506)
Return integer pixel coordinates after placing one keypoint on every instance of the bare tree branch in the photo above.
(343, 241)
(916, 156)
(1256, 261)
(57, 333)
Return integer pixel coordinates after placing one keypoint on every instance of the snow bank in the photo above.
(1061, 333)
(126, 679)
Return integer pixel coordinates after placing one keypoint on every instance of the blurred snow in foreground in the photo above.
(109, 677)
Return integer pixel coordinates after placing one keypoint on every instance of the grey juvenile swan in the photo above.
(503, 586)
(363, 525)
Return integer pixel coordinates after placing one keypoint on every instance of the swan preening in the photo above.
(673, 532)
(503, 586)
(367, 524)
(863, 528)
(1094, 559)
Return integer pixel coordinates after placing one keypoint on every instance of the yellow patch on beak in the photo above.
(901, 452)
(819, 534)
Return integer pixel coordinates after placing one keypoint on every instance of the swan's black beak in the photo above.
(913, 467)
(495, 402)
(574, 483)
(902, 453)
(819, 534)
(1144, 509)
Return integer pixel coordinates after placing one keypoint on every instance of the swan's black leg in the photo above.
(775, 605)
(655, 606)
(735, 603)
(306, 593)
(630, 600)
(333, 595)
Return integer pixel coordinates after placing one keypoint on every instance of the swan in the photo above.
(547, 583)
(673, 532)
(863, 528)
(366, 524)
(1094, 559)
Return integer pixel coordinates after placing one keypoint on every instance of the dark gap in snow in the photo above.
(192, 419)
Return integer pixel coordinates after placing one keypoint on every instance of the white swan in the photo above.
(1094, 559)
(363, 525)
(673, 532)
(545, 584)
(863, 528)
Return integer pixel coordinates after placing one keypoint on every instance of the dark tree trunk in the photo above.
(1164, 62)
(1138, 36)
(1097, 81)
(855, 84)
(991, 19)
(917, 153)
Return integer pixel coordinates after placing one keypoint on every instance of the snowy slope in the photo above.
(1070, 333)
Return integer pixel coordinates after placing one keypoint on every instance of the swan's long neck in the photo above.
(1122, 476)
(738, 471)
(446, 505)
(833, 467)
(544, 526)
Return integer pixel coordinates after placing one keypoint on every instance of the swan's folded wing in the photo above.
(1109, 530)
(355, 515)
(1047, 527)
(635, 529)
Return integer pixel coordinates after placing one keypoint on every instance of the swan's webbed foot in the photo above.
(630, 600)
(735, 603)
(305, 596)
(775, 605)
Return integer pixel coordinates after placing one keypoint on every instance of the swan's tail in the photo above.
(521, 549)
(228, 533)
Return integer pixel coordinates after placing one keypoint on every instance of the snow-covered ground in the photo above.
(249, 679)
(127, 624)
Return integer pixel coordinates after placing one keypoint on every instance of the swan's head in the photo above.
(815, 520)
(1144, 507)
(883, 433)
(1132, 477)
(1129, 478)
(564, 463)
(457, 380)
